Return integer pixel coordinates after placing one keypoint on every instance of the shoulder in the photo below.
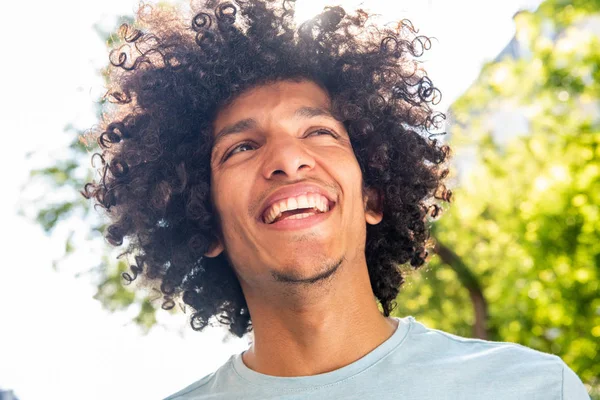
(213, 384)
(491, 363)
(573, 388)
(448, 345)
(191, 391)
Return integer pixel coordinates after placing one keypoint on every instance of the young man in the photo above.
(275, 178)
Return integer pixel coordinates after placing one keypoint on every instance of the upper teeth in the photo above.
(311, 200)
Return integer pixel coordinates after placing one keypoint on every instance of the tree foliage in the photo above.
(526, 219)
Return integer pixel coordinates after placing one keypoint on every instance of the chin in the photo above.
(310, 268)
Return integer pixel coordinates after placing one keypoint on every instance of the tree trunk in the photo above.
(469, 281)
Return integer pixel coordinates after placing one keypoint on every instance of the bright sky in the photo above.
(55, 340)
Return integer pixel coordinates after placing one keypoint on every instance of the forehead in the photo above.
(281, 97)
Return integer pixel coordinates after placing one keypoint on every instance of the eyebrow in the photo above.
(250, 123)
(312, 112)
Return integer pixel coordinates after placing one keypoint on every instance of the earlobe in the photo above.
(215, 249)
(373, 218)
(373, 202)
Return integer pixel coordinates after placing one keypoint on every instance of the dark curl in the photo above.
(169, 78)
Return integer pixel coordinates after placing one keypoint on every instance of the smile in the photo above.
(300, 219)
(297, 207)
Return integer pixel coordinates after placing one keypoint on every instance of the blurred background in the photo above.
(518, 251)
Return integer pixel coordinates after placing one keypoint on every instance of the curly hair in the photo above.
(169, 78)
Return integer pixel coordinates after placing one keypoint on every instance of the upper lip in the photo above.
(293, 191)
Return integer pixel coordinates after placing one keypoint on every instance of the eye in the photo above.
(239, 146)
(325, 131)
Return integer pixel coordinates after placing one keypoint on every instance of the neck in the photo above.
(327, 328)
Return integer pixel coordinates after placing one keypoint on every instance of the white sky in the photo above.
(55, 340)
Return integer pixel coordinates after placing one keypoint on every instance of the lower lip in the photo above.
(302, 223)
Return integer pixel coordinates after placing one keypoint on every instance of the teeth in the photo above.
(312, 200)
(300, 216)
(275, 210)
(292, 204)
(322, 203)
(273, 213)
(302, 201)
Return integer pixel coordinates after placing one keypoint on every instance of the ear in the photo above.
(215, 249)
(373, 204)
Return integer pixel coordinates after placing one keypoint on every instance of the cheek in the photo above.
(223, 185)
(231, 191)
(348, 171)
(340, 158)
(221, 200)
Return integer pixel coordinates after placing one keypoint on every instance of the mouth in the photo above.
(296, 205)
(299, 218)
(276, 215)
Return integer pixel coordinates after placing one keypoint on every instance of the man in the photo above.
(275, 178)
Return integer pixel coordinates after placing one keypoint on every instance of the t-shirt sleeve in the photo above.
(573, 388)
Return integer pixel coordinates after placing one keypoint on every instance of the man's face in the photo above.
(278, 144)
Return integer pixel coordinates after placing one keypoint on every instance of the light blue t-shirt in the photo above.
(416, 362)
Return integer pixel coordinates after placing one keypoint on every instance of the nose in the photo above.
(287, 157)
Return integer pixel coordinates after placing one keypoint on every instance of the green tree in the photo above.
(526, 216)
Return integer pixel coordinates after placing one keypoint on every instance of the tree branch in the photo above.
(469, 281)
